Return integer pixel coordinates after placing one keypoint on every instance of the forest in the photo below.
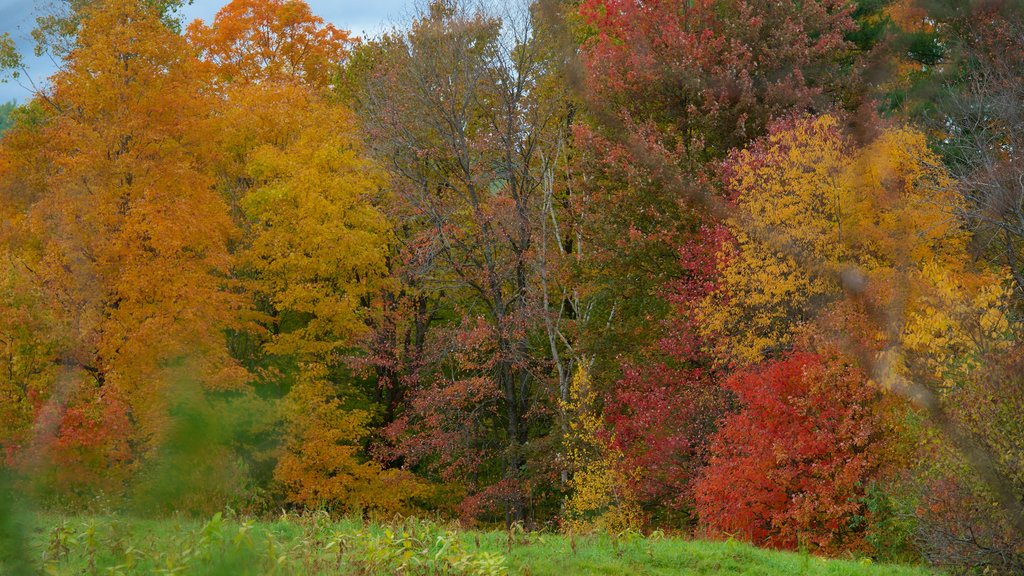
(725, 270)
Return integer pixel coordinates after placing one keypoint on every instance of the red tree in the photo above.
(791, 467)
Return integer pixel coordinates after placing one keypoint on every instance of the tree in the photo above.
(455, 114)
(271, 41)
(981, 124)
(131, 294)
(665, 407)
(601, 497)
(858, 247)
(318, 250)
(790, 468)
(314, 255)
(809, 206)
(671, 87)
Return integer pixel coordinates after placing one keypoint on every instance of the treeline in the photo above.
(735, 267)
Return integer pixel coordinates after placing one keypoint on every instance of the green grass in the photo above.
(313, 544)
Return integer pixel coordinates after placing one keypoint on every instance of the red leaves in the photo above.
(723, 70)
(91, 447)
(791, 466)
(662, 418)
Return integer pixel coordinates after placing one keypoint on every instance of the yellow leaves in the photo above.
(315, 250)
(317, 244)
(600, 498)
(322, 465)
(956, 323)
(811, 204)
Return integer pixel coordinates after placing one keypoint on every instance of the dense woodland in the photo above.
(732, 268)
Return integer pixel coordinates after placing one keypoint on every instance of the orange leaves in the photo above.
(127, 175)
(263, 41)
(125, 241)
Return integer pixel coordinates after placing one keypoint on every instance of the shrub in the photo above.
(791, 467)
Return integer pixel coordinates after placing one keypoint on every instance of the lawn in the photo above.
(315, 544)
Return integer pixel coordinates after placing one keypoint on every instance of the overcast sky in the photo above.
(363, 17)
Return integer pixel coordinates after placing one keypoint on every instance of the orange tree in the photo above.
(125, 239)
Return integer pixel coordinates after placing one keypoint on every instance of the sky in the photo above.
(363, 17)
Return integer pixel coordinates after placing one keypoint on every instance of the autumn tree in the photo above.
(271, 41)
(131, 296)
(601, 497)
(671, 87)
(455, 114)
(314, 250)
(814, 212)
(811, 205)
(318, 253)
(791, 467)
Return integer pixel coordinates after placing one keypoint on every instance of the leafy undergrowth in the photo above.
(314, 544)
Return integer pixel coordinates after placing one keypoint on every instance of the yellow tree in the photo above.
(319, 253)
(315, 247)
(811, 207)
(600, 498)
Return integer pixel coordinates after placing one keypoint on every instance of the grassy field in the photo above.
(314, 544)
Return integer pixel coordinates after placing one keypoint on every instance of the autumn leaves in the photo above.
(182, 226)
(617, 265)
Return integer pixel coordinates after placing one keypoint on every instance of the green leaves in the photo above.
(11, 62)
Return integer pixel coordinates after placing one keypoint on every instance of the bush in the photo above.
(790, 468)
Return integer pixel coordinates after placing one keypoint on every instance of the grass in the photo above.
(314, 544)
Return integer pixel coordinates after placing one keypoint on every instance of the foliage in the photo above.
(599, 266)
(455, 112)
(809, 207)
(315, 248)
(271, 41)
(671, 87)
(960, 523)
(714, 71)
(112, 167)
(600, 497)
(666, 406)
(663, 418)
(59, 23)
(980, 125)
(790, 468)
